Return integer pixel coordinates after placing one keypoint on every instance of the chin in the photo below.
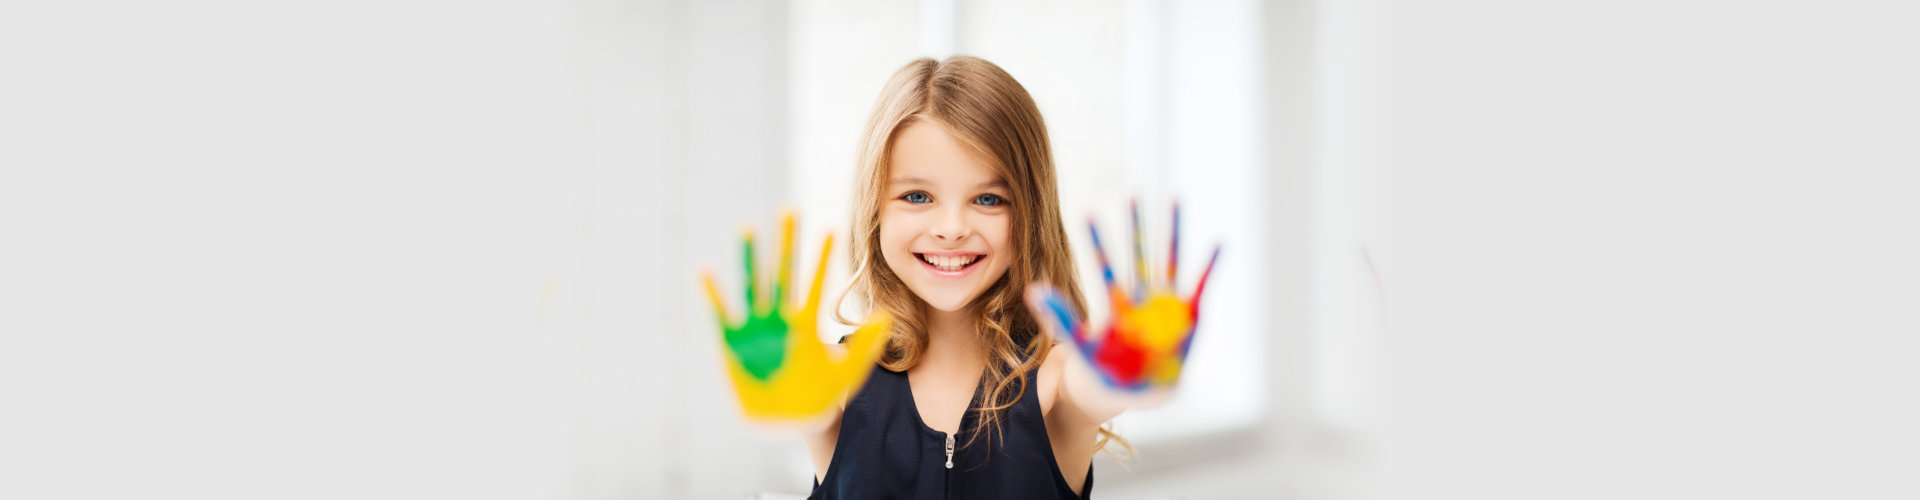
(949, 304)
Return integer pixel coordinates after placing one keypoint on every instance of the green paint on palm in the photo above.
(760, 344)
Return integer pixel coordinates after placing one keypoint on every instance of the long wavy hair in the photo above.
(991, 113)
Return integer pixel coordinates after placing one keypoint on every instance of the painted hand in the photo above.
(1145, 345)
(779, 369)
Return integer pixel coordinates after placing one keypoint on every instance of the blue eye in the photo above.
(917, 198)
(990, 200)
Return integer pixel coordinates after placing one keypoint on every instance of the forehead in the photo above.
(925, 154)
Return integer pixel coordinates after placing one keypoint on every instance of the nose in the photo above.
(952, 225)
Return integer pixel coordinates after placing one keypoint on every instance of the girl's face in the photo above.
(945, 223)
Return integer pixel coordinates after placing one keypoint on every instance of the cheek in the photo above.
(998, 232)
(999, 236)
(894, 236)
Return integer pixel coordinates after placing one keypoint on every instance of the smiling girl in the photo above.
(956, 212)
(952, 388)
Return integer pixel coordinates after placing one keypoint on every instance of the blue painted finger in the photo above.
(1140, 275)
(1057, 314)
(1100, 253)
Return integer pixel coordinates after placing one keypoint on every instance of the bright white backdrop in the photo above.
(429, 249)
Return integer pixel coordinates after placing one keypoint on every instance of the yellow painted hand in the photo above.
(1144, 347)
(779, 369)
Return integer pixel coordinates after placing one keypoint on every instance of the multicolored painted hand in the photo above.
(779, 369)
(1145, 345)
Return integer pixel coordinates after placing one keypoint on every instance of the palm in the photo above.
(1145, 345)
(779, 369)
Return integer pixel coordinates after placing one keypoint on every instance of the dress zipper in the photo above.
(949, 450)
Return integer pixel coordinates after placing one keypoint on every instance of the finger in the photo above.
(868, 342)
(1140, 277)
(1187, 343)
(785, 272)
(1173, 250)
(819, 276)
(753, 282)
(1114, 294)
(864, 348)
(1202, 287)
(1055, 314)
(713, 295)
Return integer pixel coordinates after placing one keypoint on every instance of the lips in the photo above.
(949, 264)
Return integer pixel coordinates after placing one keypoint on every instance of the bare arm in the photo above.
(1132, 360)
(1073, 420)
(825, 435)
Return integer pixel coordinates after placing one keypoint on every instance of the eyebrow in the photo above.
(923, 182)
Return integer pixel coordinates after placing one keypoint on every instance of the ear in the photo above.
(1056, 314)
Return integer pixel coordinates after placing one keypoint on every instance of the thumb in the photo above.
(866, 344)
(1056, 314)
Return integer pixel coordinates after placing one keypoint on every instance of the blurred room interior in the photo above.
(436, 249)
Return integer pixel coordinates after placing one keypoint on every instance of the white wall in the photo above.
(402, 250)
(289, 252)
(1650, 249)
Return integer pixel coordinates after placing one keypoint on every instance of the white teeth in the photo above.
(950, 263)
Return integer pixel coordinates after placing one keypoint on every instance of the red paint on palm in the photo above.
(1123, 361)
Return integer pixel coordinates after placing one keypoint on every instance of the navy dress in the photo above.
(886, 451)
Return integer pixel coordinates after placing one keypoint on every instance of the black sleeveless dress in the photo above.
(886, 451)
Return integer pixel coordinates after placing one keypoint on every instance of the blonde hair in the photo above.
(988, 111)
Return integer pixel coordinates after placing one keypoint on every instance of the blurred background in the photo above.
(435, 249)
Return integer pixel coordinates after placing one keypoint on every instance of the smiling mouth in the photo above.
(949, 264)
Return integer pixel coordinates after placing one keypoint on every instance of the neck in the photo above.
(952, 344)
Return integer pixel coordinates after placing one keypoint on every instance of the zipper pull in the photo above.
(949, 450)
